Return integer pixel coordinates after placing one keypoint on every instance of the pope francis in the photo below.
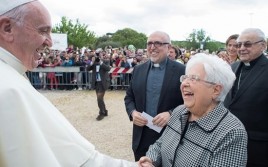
(33, 133)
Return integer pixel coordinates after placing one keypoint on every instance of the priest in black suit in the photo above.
(154, 89)
(248, 98)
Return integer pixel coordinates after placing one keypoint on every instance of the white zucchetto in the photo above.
(7, 5)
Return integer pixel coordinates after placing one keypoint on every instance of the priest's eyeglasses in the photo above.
(247, 44)
(156, 44)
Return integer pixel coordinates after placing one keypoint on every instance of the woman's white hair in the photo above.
(217, 71)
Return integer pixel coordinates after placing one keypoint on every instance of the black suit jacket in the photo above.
(250, 105)
(104, 74)
(170, 96)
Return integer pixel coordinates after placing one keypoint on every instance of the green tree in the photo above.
(182, 44)
(214, 46)
(191, 40)
(198, 37)
(100, 40)
(201, 36)
(77, 33)
(108, 43)
(192, 36)
(194, 39)
(128, 36)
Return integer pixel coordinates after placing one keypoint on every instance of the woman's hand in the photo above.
(145, 162)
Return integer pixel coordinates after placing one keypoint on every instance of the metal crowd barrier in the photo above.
(70, 78)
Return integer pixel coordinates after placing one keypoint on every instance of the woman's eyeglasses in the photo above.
(194, 79)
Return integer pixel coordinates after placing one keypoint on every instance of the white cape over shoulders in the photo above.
(33, 133)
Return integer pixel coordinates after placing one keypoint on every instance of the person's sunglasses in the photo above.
(247, 44)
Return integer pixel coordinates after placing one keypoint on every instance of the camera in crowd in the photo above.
(97, 59)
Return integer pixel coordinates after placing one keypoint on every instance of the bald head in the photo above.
(161, 34)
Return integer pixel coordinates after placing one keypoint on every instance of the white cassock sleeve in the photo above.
(33, 133)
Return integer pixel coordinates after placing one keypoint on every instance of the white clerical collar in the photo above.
(247, 64)
(11, 60)
(156, 64)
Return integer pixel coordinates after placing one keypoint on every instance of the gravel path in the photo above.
(112, 135)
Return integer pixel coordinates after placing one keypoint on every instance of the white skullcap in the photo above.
(7, 5)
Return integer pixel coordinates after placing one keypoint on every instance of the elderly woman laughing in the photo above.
(202, 132)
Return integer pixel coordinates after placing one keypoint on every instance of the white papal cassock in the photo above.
(33, 133)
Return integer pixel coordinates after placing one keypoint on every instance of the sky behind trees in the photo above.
(219, 18)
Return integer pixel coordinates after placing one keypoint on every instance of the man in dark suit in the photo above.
(154, 89)
(248, 98)
(100, 82)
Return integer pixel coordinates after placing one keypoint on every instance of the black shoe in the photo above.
(100, 117)
(106, 113)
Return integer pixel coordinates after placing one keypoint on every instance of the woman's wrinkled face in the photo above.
(32, 35)
(197, 94)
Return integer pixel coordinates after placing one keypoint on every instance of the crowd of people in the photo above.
(127, 57)
(116, 57)
(209, 110)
